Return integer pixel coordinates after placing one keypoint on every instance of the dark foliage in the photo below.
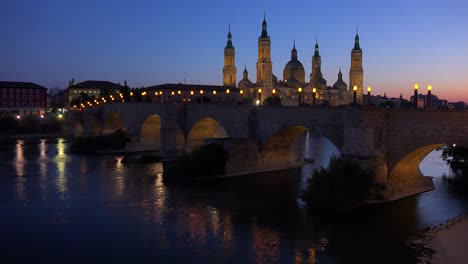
(342, 184)
(204, 161)
(114, 141)
(457, 159)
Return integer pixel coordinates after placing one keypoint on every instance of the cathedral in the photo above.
(293, 88)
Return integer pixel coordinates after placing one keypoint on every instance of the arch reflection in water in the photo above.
(60, 160)
(19, 163)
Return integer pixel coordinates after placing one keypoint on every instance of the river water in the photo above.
(60, 207)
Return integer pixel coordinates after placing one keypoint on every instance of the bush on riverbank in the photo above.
(205, 161)
(342, 184)
(113, 141)
(457, 158)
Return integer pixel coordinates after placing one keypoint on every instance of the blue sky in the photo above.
(154, 42)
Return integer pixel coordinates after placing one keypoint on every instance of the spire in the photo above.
(245, 68)
(246, 73)
(340, 75)
(316, 53)
(294, 52)
(229, 41)
(356, 41)
(264, 27)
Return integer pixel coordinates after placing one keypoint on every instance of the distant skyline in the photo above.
(149, 42)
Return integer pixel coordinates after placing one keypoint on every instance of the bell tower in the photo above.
(356, 72)
(229, 69)
(316, 61)
(264, 65)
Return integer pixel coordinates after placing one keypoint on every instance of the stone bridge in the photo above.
(391, 143)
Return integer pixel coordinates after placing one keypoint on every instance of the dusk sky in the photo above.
(153, 42)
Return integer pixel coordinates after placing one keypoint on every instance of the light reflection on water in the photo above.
(61, 162)
(246, 219)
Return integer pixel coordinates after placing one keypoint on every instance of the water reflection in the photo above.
(19, 163)
(61, 163)
(43, 160)
(119, 170)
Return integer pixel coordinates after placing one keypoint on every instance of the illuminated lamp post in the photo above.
(314, 95)
(227, 96)
(241, 95)
(354, 94)
(201, 96)
(415, 97)
(429, 96)
(369, 89)
(214, 95)
(299, 90)
(259, 101)
(273, 92)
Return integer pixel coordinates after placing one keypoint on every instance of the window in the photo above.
(30, 97)
(18, 96)
(31, 91)
(4, 96)
(31, 104)
(25, 104)
(38, 97)
(11, 90)
(25, 96)
(37, 91)
(38, 104)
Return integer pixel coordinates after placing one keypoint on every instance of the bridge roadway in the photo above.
(390, 143)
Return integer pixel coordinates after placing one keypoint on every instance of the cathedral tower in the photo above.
(229, 69)
(264, 65)
(316, 62)
(356, 73)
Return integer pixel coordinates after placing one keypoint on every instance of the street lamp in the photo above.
(354, 94)
(429, 96)
(259, 96)
(227, 95)
(415, 97)
(368, 95)
(241, 95)
(314, 95)
(299, 90)
(273, 92)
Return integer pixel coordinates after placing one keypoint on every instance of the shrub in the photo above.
(342, 184)
(205, 161)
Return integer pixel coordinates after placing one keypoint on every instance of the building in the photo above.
(293, 86)
(23, 98)
(93, 89)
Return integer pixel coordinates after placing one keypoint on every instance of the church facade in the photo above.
(294, 88)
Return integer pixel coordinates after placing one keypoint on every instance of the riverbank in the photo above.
(443, 243)
(450, 243)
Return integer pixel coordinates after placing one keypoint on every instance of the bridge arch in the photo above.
(112, 122)
(408, 166)
(150, 133)
(78, 128)
(204, 128)
(289, 143)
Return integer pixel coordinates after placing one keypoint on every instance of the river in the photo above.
(61, 207)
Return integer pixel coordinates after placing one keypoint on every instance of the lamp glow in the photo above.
(369, 89)
(429, 87)
(355, 88)
(416, 86)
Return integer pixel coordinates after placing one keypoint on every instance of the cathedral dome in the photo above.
(294, 73)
